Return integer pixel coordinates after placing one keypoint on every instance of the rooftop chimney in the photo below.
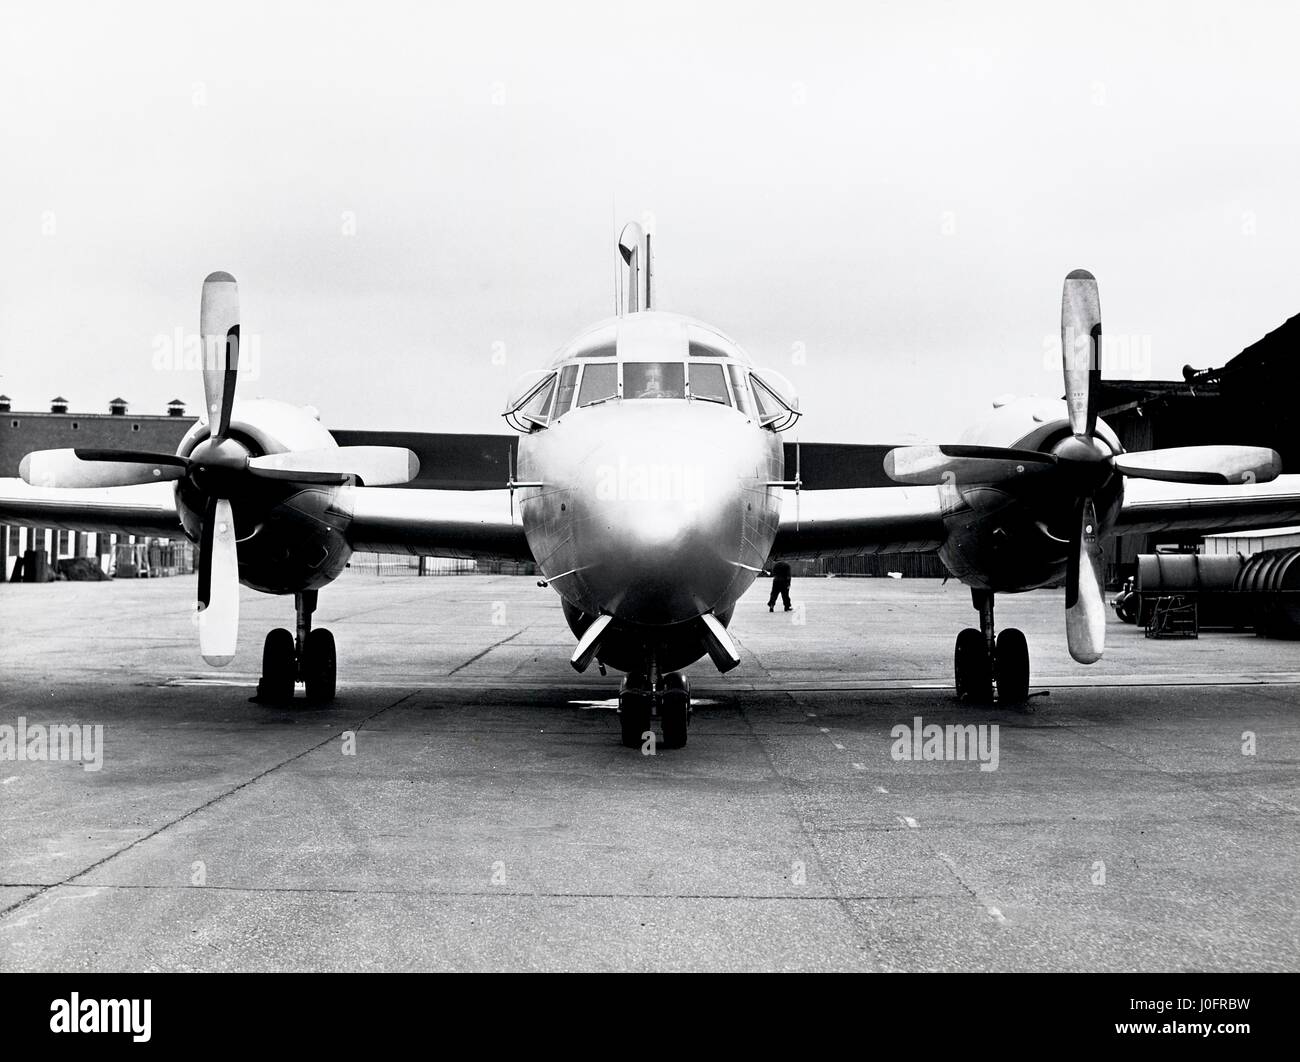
(58, 405)
(4, 403)
(117, 407)
(176, 408)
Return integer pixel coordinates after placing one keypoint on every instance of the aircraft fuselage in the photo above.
(655, 504)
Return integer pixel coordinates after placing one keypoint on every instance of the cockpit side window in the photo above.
(568, 384)
(654, 379)
(534, 412)
(599, 383)
(708, 382)
(778, 408)
(737, 374)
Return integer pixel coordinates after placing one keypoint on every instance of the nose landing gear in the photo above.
(983, 661)
(638, 699)
(310, 658)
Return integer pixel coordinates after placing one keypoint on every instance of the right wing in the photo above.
(1151, 506)
(856, 520)
(821, 523)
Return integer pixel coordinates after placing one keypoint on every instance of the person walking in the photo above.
(780, 585)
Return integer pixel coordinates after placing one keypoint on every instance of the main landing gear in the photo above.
(309, 658)
(641, 695)
(984, 662)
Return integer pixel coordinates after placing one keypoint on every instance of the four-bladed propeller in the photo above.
(1085, 460)
(222, 468)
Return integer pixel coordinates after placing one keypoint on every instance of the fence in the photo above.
(399, 564)
(911, 565)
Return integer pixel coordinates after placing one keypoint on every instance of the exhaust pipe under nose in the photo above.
(589, 643)
(718, 643)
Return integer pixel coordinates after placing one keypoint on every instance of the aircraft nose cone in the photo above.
(661, 522)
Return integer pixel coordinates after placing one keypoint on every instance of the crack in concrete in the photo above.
(71, 878)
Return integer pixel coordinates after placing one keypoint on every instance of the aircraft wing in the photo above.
(147, 509)
(434, 523)
(848, 522)
(448, 461)
(1152, 506)
(852, 521)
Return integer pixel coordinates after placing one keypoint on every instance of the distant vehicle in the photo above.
(131, 561)
(1125, 603)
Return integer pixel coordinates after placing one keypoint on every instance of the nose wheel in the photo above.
(310, 658)
(984, 661)
(637, 700)
(675, 710)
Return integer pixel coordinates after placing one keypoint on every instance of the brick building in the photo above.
(22, 432)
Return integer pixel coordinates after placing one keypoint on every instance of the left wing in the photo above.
(434, 523)
(147, 509)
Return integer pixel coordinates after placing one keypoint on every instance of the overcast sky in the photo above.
(879, 200)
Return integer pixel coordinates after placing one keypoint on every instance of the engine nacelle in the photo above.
(290, 537)
(1011, 537)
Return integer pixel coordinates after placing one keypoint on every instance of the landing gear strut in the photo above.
(984, 661)
(641, 695)
(308, 658)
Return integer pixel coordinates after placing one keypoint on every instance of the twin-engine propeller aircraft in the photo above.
(651, 491)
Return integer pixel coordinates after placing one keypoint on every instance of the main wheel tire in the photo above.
(1012, 667)
(279, 667)
(974, 670)
(319, 666)
(675, 710)
(633, 715)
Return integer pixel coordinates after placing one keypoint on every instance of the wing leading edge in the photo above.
(857, 520)
(434, 523)
(1151, 506)
(474, 524)
(849, 522)
(147, 509)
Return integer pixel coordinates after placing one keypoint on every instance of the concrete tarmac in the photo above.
(466, 804)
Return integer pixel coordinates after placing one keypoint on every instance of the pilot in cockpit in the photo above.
(654, 382)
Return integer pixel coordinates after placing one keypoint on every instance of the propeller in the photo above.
(218, 591)
(1086, 462)
(372, 466)
(221, 467)
(933, 465)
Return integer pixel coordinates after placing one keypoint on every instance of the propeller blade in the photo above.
(219, 326)
(218, 584)
(290, 475)
(375, 466)
(98, 468)
(131, 456)
(1203, 464)
(936, 465)
(1085, 605)
(1081, 349)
